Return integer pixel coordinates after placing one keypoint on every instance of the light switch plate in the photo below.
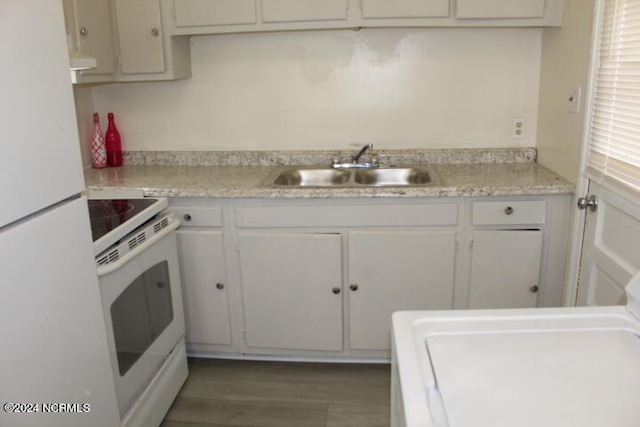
(573, 100)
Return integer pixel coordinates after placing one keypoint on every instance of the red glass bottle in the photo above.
(98, 148)
(114, 144)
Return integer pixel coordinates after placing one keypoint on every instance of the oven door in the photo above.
(142, 305)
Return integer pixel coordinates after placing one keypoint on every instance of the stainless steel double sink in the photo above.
(335, 177)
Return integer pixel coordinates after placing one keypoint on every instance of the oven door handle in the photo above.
(103, 270)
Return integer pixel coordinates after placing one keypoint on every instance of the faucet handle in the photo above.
(335, 158)
(374, 158)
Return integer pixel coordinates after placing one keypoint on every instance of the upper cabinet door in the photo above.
(140, 34)
(303, 10)
(93, 34)
(500, 9)
(405, 8)
(193, 13)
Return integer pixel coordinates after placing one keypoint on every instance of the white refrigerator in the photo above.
(54, 359)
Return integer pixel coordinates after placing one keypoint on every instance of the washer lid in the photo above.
(538, 378)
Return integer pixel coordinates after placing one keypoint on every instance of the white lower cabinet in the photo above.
(505, 268)
(395, 270)
(292, 290)
(321, 278)
(204, 283)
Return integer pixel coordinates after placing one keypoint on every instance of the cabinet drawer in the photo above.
(198, 217)
(346, 216)
(193, 13)
(303, 10)
(509, 212)
(478, 9)
(405, 9)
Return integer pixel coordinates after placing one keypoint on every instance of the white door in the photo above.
(611, 248)
(140, 35)
(505, 268)
(292, 290)
(204, 286)
(396, 270)
(610, 182)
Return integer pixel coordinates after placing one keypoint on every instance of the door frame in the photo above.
(576, 233)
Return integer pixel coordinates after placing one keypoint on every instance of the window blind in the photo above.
(614, 135)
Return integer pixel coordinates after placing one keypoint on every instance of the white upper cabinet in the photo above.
(303, 10)
(500, 9)
(405, 9)
(192, 17)
(88, 25)
(140, 35)
(192, 13)
(145, 50)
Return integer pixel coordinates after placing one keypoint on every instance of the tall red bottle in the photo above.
(113, 142)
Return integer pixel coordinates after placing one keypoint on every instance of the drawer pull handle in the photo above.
(219, 286)
(155, 32)
(187, 217)
(353, 286)
(336, 290)
(508, 210)
(534, 289)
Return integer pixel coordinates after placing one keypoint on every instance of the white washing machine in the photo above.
(544, 367)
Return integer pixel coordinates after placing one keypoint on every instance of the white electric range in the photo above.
(139, 278)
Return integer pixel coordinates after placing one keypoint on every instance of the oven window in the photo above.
(140, 314)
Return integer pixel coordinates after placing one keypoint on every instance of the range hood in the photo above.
(79, 61)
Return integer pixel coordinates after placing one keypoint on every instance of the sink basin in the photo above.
(392, 176)
(312, 177)
(330, 177)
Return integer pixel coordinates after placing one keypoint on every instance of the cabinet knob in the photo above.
(155, 32)
(508, 210)
(84, 31)
(534, 289)
(353, 286)
(187, 217)
(336, 290)
(219, 286)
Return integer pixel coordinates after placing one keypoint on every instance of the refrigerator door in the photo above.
(40, 153)
(54, 342)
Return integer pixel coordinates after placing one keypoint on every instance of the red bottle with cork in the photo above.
(114, 143)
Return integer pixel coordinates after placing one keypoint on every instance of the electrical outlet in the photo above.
(517, 128)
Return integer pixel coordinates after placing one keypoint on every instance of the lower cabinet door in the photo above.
(393, 271)
(505, 268)
(292, 293)
(204, 287)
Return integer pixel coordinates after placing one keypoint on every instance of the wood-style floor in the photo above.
(225, 393)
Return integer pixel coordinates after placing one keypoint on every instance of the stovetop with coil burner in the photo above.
(112, 219)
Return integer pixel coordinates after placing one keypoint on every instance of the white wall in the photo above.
(565, 62)
(397, 88)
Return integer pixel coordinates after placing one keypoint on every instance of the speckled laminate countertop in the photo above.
(521, 177)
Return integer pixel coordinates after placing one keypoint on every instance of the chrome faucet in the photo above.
(356, 157)
(355, 160)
